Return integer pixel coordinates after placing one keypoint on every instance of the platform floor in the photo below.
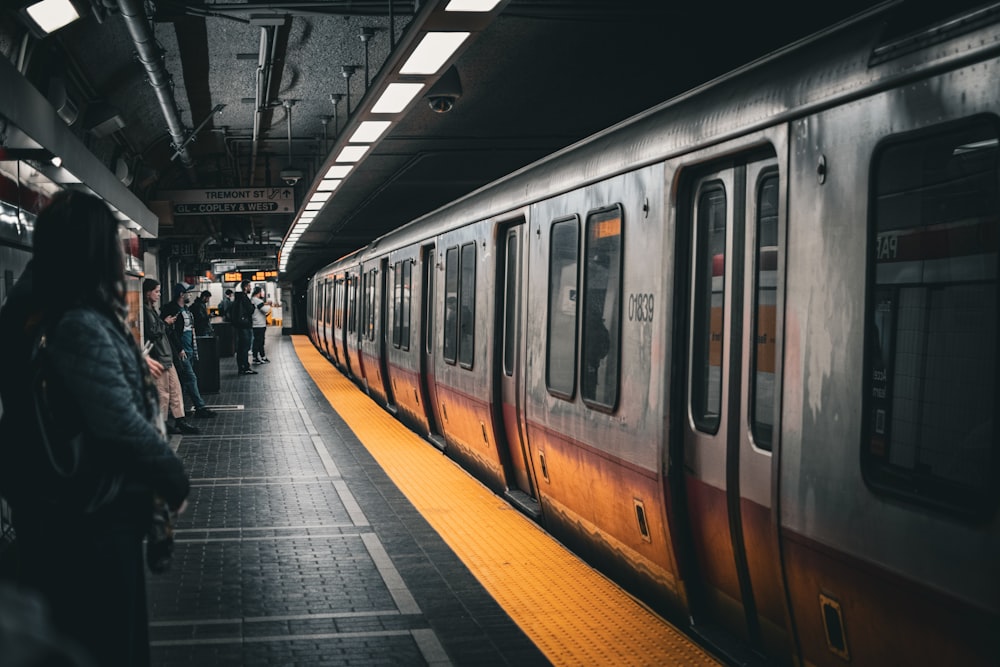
(320, 531)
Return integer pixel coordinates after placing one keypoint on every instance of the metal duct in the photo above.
(134, 14)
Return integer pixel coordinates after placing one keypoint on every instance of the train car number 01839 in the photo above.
(640, 307)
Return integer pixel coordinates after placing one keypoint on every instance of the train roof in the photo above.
(857, 57)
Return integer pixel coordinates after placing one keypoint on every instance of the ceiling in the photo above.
(535, 76)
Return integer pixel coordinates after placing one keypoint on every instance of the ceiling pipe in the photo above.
(134, 14)
(265, 63)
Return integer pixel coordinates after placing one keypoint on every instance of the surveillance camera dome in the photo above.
(291, 176)
(441, 103)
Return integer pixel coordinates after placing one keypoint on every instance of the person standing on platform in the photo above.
(225, 305)
(202, 323)
(79, 540)
(261, 309)
(167, 384)
(185, 348)
(242, 319)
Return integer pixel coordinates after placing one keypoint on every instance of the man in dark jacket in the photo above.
(226, 304)
(202, 322)
(241, 316)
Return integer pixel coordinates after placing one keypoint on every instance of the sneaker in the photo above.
(187, 429)
(248, 371)
(258, 361)
(204, 412)
(265, 360)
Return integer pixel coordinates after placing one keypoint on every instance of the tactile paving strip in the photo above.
(573, 614)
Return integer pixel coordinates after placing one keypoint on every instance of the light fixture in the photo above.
(47, 16)
(352, 153)
(328, 185)
(369, 131)
(432, 52)
(320, 196)
(471, 5)
(313, 207)
(396, 97)
(338, 171)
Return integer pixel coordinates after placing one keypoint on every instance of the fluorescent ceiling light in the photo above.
(338, 171)
(369, 131)
(328, 184)
(396, 97)
(307, 216)
(50, 15)
(313, 207)
(352, 154)
(471, 5)
(432, 52)
(320, 196)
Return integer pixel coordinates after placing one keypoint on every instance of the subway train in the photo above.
(739, 351)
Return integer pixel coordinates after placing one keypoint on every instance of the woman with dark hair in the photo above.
(79, 539)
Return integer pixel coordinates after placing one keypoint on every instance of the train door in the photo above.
(351, 324)
(731, 402)
(507, 372)
(383, 295)
(365, 322)
(323, 316)
(333, 304)
(428, 388)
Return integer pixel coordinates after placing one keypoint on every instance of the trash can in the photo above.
(207, 366)
(224, 338)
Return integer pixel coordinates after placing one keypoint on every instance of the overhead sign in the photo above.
(231, 201)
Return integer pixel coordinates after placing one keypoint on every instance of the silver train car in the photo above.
(739, 351)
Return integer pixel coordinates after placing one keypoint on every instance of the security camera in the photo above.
(291, 176)
(442, 103)
(445, 92)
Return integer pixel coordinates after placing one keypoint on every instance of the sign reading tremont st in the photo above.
(230, 201)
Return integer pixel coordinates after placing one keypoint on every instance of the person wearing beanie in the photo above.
(185, 348)
(167, 384)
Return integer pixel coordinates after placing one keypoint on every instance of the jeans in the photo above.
(185, 373)
(258, 342)
(244, 338)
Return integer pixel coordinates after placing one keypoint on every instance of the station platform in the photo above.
(320, 531)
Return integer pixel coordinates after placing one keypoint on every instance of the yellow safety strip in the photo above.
(572, 613)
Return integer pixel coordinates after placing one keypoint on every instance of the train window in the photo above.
(372, 293)
(353, 303)
(404, 325)
(428, 262)
(363, 307)
(397, 301)
(339, 313)
(602, 308)
(510, 304)
(450, 305)
(931, 367)
(765, 314)
(467, 306)
(560, 362)
(709, 300)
